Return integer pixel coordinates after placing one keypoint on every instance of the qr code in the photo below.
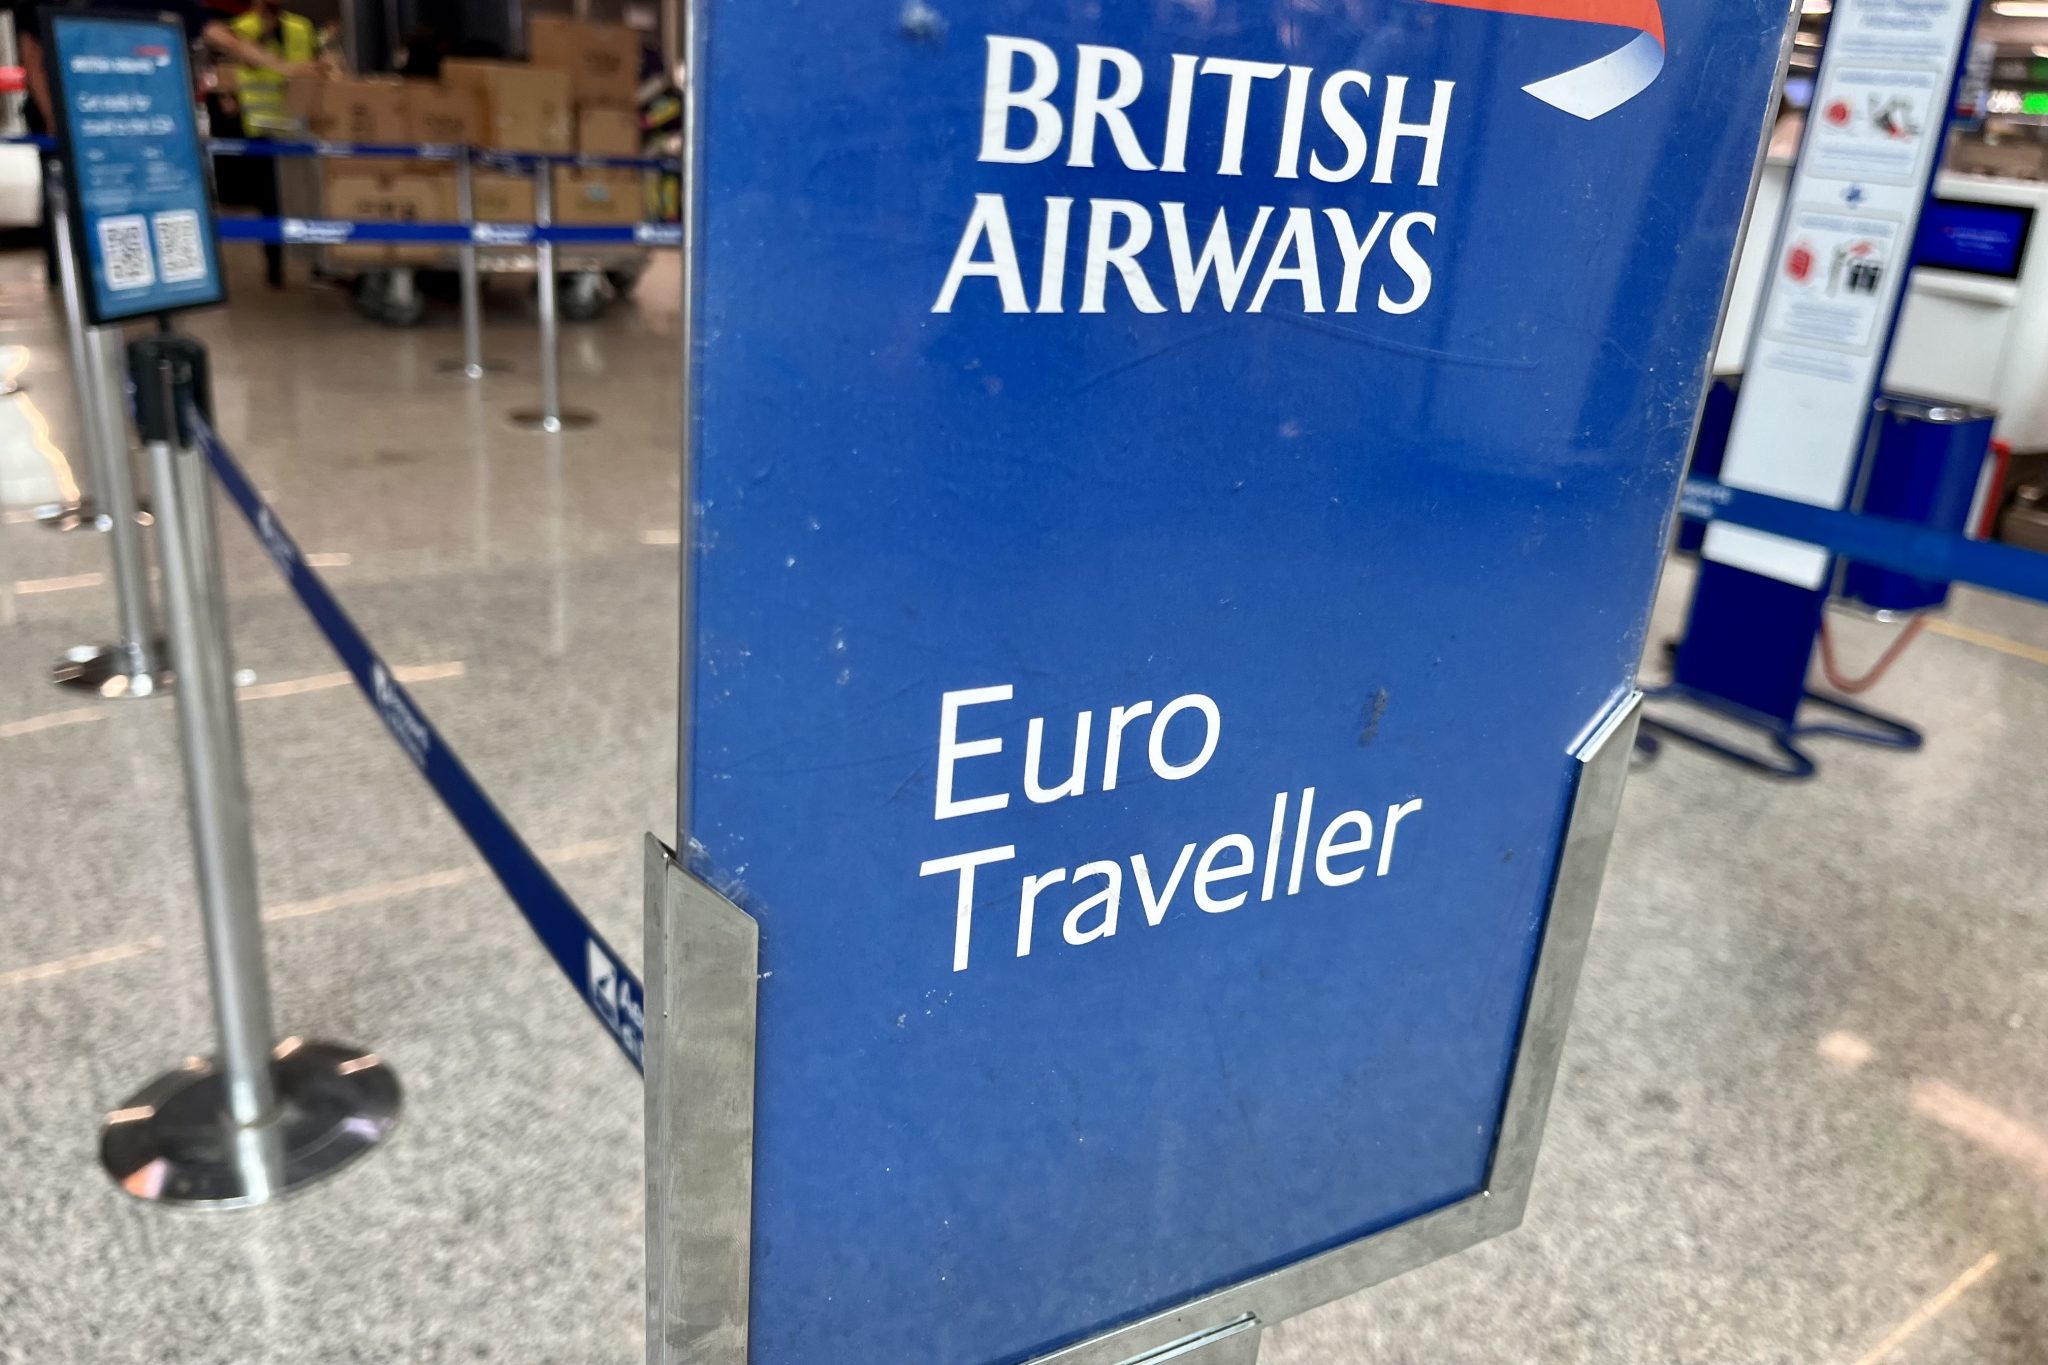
(124, 252)
(178, 246)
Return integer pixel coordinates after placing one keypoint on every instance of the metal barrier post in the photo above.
(472, 364)
(259, 1120)
(79, 512)
(549, 417)
(131, 666)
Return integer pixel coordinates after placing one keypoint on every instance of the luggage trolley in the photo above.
(396, 290)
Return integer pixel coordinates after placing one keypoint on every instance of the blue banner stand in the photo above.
(1118, 442)
(1801, 424)
(1747, 649)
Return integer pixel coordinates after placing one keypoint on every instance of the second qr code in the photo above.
(178, 246)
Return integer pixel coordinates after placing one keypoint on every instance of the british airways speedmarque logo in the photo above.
(1608, 82)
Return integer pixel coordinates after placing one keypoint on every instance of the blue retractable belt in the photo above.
(600, 976)
(1921, 551)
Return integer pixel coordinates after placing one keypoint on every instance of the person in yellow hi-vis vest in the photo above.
(293, 44)
(293, 41)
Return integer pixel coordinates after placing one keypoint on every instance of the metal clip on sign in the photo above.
(264, 1116)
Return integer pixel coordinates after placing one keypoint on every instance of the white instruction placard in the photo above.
(1872, 141)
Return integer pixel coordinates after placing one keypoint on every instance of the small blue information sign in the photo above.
(128, 132)
(1172, 489)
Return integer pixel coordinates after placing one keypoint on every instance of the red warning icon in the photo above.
(1839, 113)
(1799, 263)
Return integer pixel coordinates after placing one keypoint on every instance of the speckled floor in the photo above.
(1804, 1111)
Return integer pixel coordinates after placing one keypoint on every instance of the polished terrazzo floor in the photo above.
(1803, 1116)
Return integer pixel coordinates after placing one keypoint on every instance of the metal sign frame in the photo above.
(702, 952)
(67, 149)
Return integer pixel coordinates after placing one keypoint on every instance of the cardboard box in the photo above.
(502, 198)
(602, 60)
(599, 196)
(607, 132)
(349, 110)
(386, 197)
(437, 113)
(523, 108)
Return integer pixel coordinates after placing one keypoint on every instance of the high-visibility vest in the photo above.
(262, 92)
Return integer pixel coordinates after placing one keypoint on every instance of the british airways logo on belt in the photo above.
(1606, 83)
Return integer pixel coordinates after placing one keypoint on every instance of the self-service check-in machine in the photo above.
(1973, 328)
(1975, 324)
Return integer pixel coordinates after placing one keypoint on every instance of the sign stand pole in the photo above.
(702, 989)
(129, 667)
(80, 511)
(263, 1117)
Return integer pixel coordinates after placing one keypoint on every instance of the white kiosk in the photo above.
(1974, 325)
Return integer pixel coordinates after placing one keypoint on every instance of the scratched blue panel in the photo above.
(1408, 554)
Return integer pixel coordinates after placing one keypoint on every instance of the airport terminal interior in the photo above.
(1801, 1112)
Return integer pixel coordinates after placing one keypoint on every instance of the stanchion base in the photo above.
(174, 1144)
(568, 419)
(84, 515)
(107, 671)
(457, 365)
(66, 516)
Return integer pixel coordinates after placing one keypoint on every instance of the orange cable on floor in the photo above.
(1877, 670)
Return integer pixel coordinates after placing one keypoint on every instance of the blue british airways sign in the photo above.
(1171, 486)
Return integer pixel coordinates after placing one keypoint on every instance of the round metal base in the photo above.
(108, 671)
(568, 419)
(173, 1142)
(457, 365)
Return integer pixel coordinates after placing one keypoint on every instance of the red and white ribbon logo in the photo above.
(1607, 82)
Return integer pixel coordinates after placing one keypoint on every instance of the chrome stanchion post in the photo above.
(263, 1117)
(472, 364)
(77, 511)
(131, 666)
(549, 417)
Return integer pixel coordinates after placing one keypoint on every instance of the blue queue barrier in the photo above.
(335, 231)
(1906, 547)
(611, 992)
(525, 162)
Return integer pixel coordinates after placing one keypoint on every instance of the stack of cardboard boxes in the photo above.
(373, 190)
(602, 65)
(578, 93)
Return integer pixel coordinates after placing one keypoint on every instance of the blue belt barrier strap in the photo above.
(1918, 550)
(336, 231)
(521, 162)
(611, 991)
(395, 151)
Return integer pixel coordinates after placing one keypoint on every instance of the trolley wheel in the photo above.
(625, 278)
(366, 295)
(583, 296)
(407, 311)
